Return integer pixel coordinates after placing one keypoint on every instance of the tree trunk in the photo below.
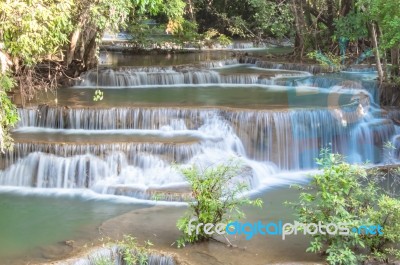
(191, 9)
(89, 57)
(72, 46)
(345, 7)
(385, 65)
(395, 62)
(298, 11)
(330, 17)
(80, 45)
(384, 57)
(83, 48)
(377, 54)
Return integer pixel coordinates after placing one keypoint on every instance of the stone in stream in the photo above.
(60, 250)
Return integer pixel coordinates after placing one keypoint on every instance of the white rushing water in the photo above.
(277, 146)
(128, 77)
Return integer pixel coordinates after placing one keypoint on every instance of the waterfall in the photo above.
(171, 151)
(129, 169)
(311, 68)
(88, 171)
(129, 78)
(329, 82)
(217, 64)
(368, 139)
(242, 45)
(205, 73)
(107, 119)
(298, 134)
(130, 151)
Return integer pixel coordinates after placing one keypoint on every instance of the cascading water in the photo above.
(131, 77)
(136, 167)
(129, 150)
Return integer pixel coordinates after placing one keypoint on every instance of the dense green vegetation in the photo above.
(40, 41)
(217, 197)
(335, 26)
(344, 193)
(8, 112)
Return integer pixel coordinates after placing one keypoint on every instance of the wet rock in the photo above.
(60, 250)
(70, 243)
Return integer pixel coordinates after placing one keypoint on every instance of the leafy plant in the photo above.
(140, 35)
(271, 18)
(342, 193)
(352, 27)
(34, 29)
(224, 40)
(132, 253)
(8, 111)
(210, 33)
(387, 213)
(217, 198)
(174, 10)
(98, 95)
(187, 32)
(327, 59)
(212, 37)
(385, 14)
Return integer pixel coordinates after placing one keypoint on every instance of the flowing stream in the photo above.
(273, 117)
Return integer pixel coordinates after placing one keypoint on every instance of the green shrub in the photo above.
(216, 198)
(387, 213)
(187, 32)
(327, 59)
(343, 193)
(352, 27)
(212, 37)
(224, 40)
(8, 111)
(132, 253)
